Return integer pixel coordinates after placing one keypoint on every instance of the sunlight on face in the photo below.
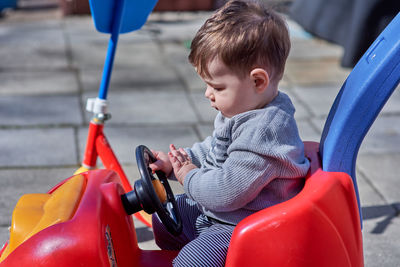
(228, 92)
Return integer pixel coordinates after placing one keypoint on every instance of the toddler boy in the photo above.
(254, 158)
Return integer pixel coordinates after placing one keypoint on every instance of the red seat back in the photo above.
(318, 227)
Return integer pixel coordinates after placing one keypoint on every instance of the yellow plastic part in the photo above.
(35, 212)
(160, 190)
(162, 195)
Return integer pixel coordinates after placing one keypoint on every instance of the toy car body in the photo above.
(88, 226)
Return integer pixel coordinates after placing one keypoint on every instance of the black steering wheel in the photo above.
(153, 194)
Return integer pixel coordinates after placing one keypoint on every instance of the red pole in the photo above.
(110, 161)
(90, 156)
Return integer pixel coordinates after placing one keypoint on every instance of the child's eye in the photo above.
(218, 89)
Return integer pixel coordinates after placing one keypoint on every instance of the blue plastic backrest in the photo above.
(359, 102)
(134, 14)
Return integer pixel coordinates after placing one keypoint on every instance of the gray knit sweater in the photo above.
(252, 161)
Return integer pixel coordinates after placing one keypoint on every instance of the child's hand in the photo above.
(162, 164)
(181, 162)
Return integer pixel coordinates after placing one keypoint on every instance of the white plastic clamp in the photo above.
(96, 105)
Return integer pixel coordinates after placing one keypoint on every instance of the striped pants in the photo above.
(202, 242)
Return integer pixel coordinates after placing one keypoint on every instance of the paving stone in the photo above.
(34, 33)
(150, 107)
(177, 55)
(203, 107)
(134, 78)
(37, 82)
(307, 131)
(39, 110)
(81, 29)
(37, 147)
(380, 241)
(383, 172)
(383, 137)
(176, 30)
(205, 130)
(35, 44)
(192, 80)
(301, 106)
(92, 54)
(369, 195)
(318, 99)
(314, 49)
(314, 72)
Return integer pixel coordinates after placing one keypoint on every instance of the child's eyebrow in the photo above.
(214, 85)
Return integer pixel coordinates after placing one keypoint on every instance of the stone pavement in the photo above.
(49, 65)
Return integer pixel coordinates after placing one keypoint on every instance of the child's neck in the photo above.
(268, 95)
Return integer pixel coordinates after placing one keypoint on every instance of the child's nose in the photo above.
(208, 93)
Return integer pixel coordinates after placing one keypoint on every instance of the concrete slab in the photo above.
(383, 137)
(205, 130)
(172, 27)
(177, 55)
(203, 108)
(38, 44)
(81, 29)
(307, 131)
(39, 82)
(380, 241)
(314, 72)
(40, 110)
(303, 110)
(318, 99)
(91, 54)
(382, 172)
(314, 49)
(150, 107)
(37, 147)
(35, 33)
(134, 78)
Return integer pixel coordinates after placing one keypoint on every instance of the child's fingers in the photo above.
(174, 160)
(172, 147)
(175, 152)
(154, 167)
(184, 154)
(180, 156)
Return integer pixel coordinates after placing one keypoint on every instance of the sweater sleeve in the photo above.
(256, 156)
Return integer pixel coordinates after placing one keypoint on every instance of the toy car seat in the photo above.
(321, 226)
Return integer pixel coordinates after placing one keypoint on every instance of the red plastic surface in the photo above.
(99, 233)
(318, 227)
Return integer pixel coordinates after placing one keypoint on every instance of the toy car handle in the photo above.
(153, 194)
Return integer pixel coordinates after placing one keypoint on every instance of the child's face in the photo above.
(228, 92)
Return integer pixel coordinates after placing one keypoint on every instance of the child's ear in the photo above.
(260, 78)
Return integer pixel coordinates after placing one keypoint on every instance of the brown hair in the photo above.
(244, 35)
